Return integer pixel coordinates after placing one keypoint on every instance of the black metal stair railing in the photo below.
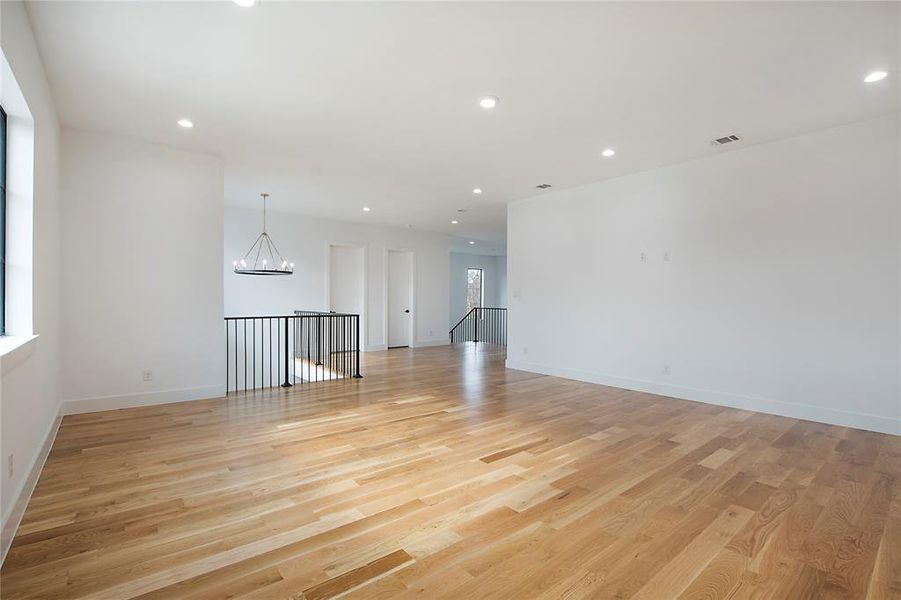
(287, 350)
(487, 325)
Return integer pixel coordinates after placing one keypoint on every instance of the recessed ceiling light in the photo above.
(608, 152)
(454, 222)
(245, 3)
(366, 209)
(488, 102)
(186, 123)
(477, 191)
(875, 76)
(471, 243)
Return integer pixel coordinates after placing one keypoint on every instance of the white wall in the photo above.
(779, 291)
(347, 279)
(306, 240)
(142, 275)
(494, 273)
(29, 385)
(501, 281)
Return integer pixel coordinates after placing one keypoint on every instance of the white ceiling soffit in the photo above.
(334, 106)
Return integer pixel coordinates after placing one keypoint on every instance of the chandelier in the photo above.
(263, 257)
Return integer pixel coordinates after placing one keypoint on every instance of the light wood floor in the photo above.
(442, 475)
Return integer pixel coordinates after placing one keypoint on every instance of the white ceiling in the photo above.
(333, 106)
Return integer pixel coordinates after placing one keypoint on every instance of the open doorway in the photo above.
(400, 299)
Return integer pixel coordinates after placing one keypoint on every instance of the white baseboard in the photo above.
(86, 405)
(429, 343)
(23, 494)
(375, 348)
(806, 412)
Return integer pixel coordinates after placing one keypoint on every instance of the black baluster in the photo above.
(317, 346)
(244, 321)
(293, 351)
(286, 383)
(270, 351)
(226, 358)
(357, 351)
(253, 361)
(303, 360)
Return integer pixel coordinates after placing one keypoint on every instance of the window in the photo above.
(474, 293)
(2, 221)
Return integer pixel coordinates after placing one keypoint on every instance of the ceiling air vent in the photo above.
(543, 186)
(725, 140)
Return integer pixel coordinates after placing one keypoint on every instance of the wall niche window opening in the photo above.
(475, 289)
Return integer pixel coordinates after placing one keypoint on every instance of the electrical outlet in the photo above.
(10, 461)
(147, 375)
(666, 369)
(666, 256)
(431, 333)
(643, 256)
(525, 350)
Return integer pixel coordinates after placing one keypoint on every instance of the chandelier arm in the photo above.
(264, 249)
(256, 260)
(252, 246)
(269, 247)
(276, 256)
(281, 258)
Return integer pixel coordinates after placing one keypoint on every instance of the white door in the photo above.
(400, 298)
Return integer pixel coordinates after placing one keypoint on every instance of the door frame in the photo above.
(364, 316)
(413, 307)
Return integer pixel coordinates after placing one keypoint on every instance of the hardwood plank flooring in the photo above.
(443, 475)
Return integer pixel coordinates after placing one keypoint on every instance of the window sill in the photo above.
(11, 345)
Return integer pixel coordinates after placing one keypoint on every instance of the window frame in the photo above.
(481, 288)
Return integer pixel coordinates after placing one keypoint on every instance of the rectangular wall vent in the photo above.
(543, 186)
(725, 140)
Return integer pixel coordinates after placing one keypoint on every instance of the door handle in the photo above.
(407, 310)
